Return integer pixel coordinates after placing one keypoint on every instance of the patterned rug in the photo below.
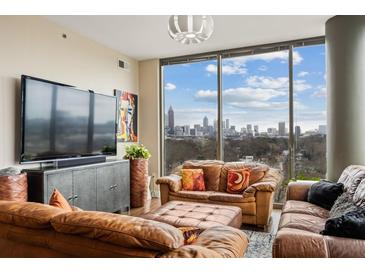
(260, 244)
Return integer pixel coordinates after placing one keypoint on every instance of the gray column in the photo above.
(345, 42)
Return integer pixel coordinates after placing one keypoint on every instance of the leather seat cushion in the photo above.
(230, 198)
(302, 221)
(195, 195)
(119, 229)
(26, 214)
(211, 170)
(179, 214)
(257, 172)
(303, 207)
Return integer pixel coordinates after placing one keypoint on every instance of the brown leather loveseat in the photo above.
(301, 222)
(38, 230)
(256, 202)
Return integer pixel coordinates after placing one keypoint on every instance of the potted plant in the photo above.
(138, 156)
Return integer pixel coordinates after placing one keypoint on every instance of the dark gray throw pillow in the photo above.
(342, 205)
(324, 193)
(349, 225)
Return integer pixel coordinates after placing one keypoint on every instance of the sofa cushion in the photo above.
(211, 169)
(359, 196)
(324, 193)
(237, 180)
(195, 195)
(192, 179)
(257, 172)
(120, 230)
(342, 205)
(349, 225)
(302, 221)
(303, 207)
(230, 198)
(26, 214)
(351, 178)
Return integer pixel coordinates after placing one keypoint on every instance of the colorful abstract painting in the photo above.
(127, 127)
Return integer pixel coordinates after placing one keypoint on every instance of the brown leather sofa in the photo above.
(38, 230)
(256, 202)
(301, 223)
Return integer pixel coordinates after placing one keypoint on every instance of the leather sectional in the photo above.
(256, 202)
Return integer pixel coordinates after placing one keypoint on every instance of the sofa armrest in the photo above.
(214, 242)
(294, 243)
(298, 190)
(173, 181)
(260, 186)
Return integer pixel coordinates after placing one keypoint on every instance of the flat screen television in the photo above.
(59, 121)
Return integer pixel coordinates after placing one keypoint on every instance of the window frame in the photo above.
(235, 52)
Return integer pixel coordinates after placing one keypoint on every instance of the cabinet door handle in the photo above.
(70, 198)
(76, 196)
(111, 187)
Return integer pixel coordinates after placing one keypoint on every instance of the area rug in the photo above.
(260, 244)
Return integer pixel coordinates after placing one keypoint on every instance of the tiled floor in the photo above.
(155, 203)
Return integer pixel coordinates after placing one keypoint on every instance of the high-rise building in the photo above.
(322, 129)
(171, 123)
(297, 132)
(227, 123)
(272, 131)
(249, 129)
(256, 130)
(186, 130)
(282, 129)
(205, 122)
(215, 125)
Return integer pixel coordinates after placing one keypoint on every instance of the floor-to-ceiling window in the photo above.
(255, 109)
(255, 113)
(310, 113)
(190, 112)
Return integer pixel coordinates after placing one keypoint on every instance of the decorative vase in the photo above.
(139, 182)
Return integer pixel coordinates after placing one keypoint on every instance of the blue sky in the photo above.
(255, 89)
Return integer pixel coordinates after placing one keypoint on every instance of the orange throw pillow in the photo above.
(192, 179)
(57, 200)
(237, 180)
(190, 233)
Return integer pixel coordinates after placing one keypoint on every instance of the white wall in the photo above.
(34, 46)
(149, 111)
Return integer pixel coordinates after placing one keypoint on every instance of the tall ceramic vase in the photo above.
(139, 182)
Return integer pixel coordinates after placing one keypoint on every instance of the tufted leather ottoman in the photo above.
(178, 214)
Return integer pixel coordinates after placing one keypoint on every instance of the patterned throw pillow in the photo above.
(190, 233)
(237, 180)
(193, 179)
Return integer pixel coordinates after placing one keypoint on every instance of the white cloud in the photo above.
(270, 56)
(228, 69)
(321, 92)
(281, 83)
(237, 65)
(170, 86)
(303, 73)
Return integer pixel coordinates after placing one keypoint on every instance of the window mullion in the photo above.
(220, 144)
(291, 115)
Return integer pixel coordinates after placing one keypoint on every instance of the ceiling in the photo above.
(145, 36)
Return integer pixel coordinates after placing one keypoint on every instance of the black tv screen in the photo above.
(60, 121)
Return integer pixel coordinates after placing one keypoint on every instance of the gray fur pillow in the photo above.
(342, 205)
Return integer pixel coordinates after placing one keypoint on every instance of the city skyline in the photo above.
(229, 129)
(255, 89)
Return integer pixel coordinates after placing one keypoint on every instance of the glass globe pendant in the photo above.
(190, 29)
